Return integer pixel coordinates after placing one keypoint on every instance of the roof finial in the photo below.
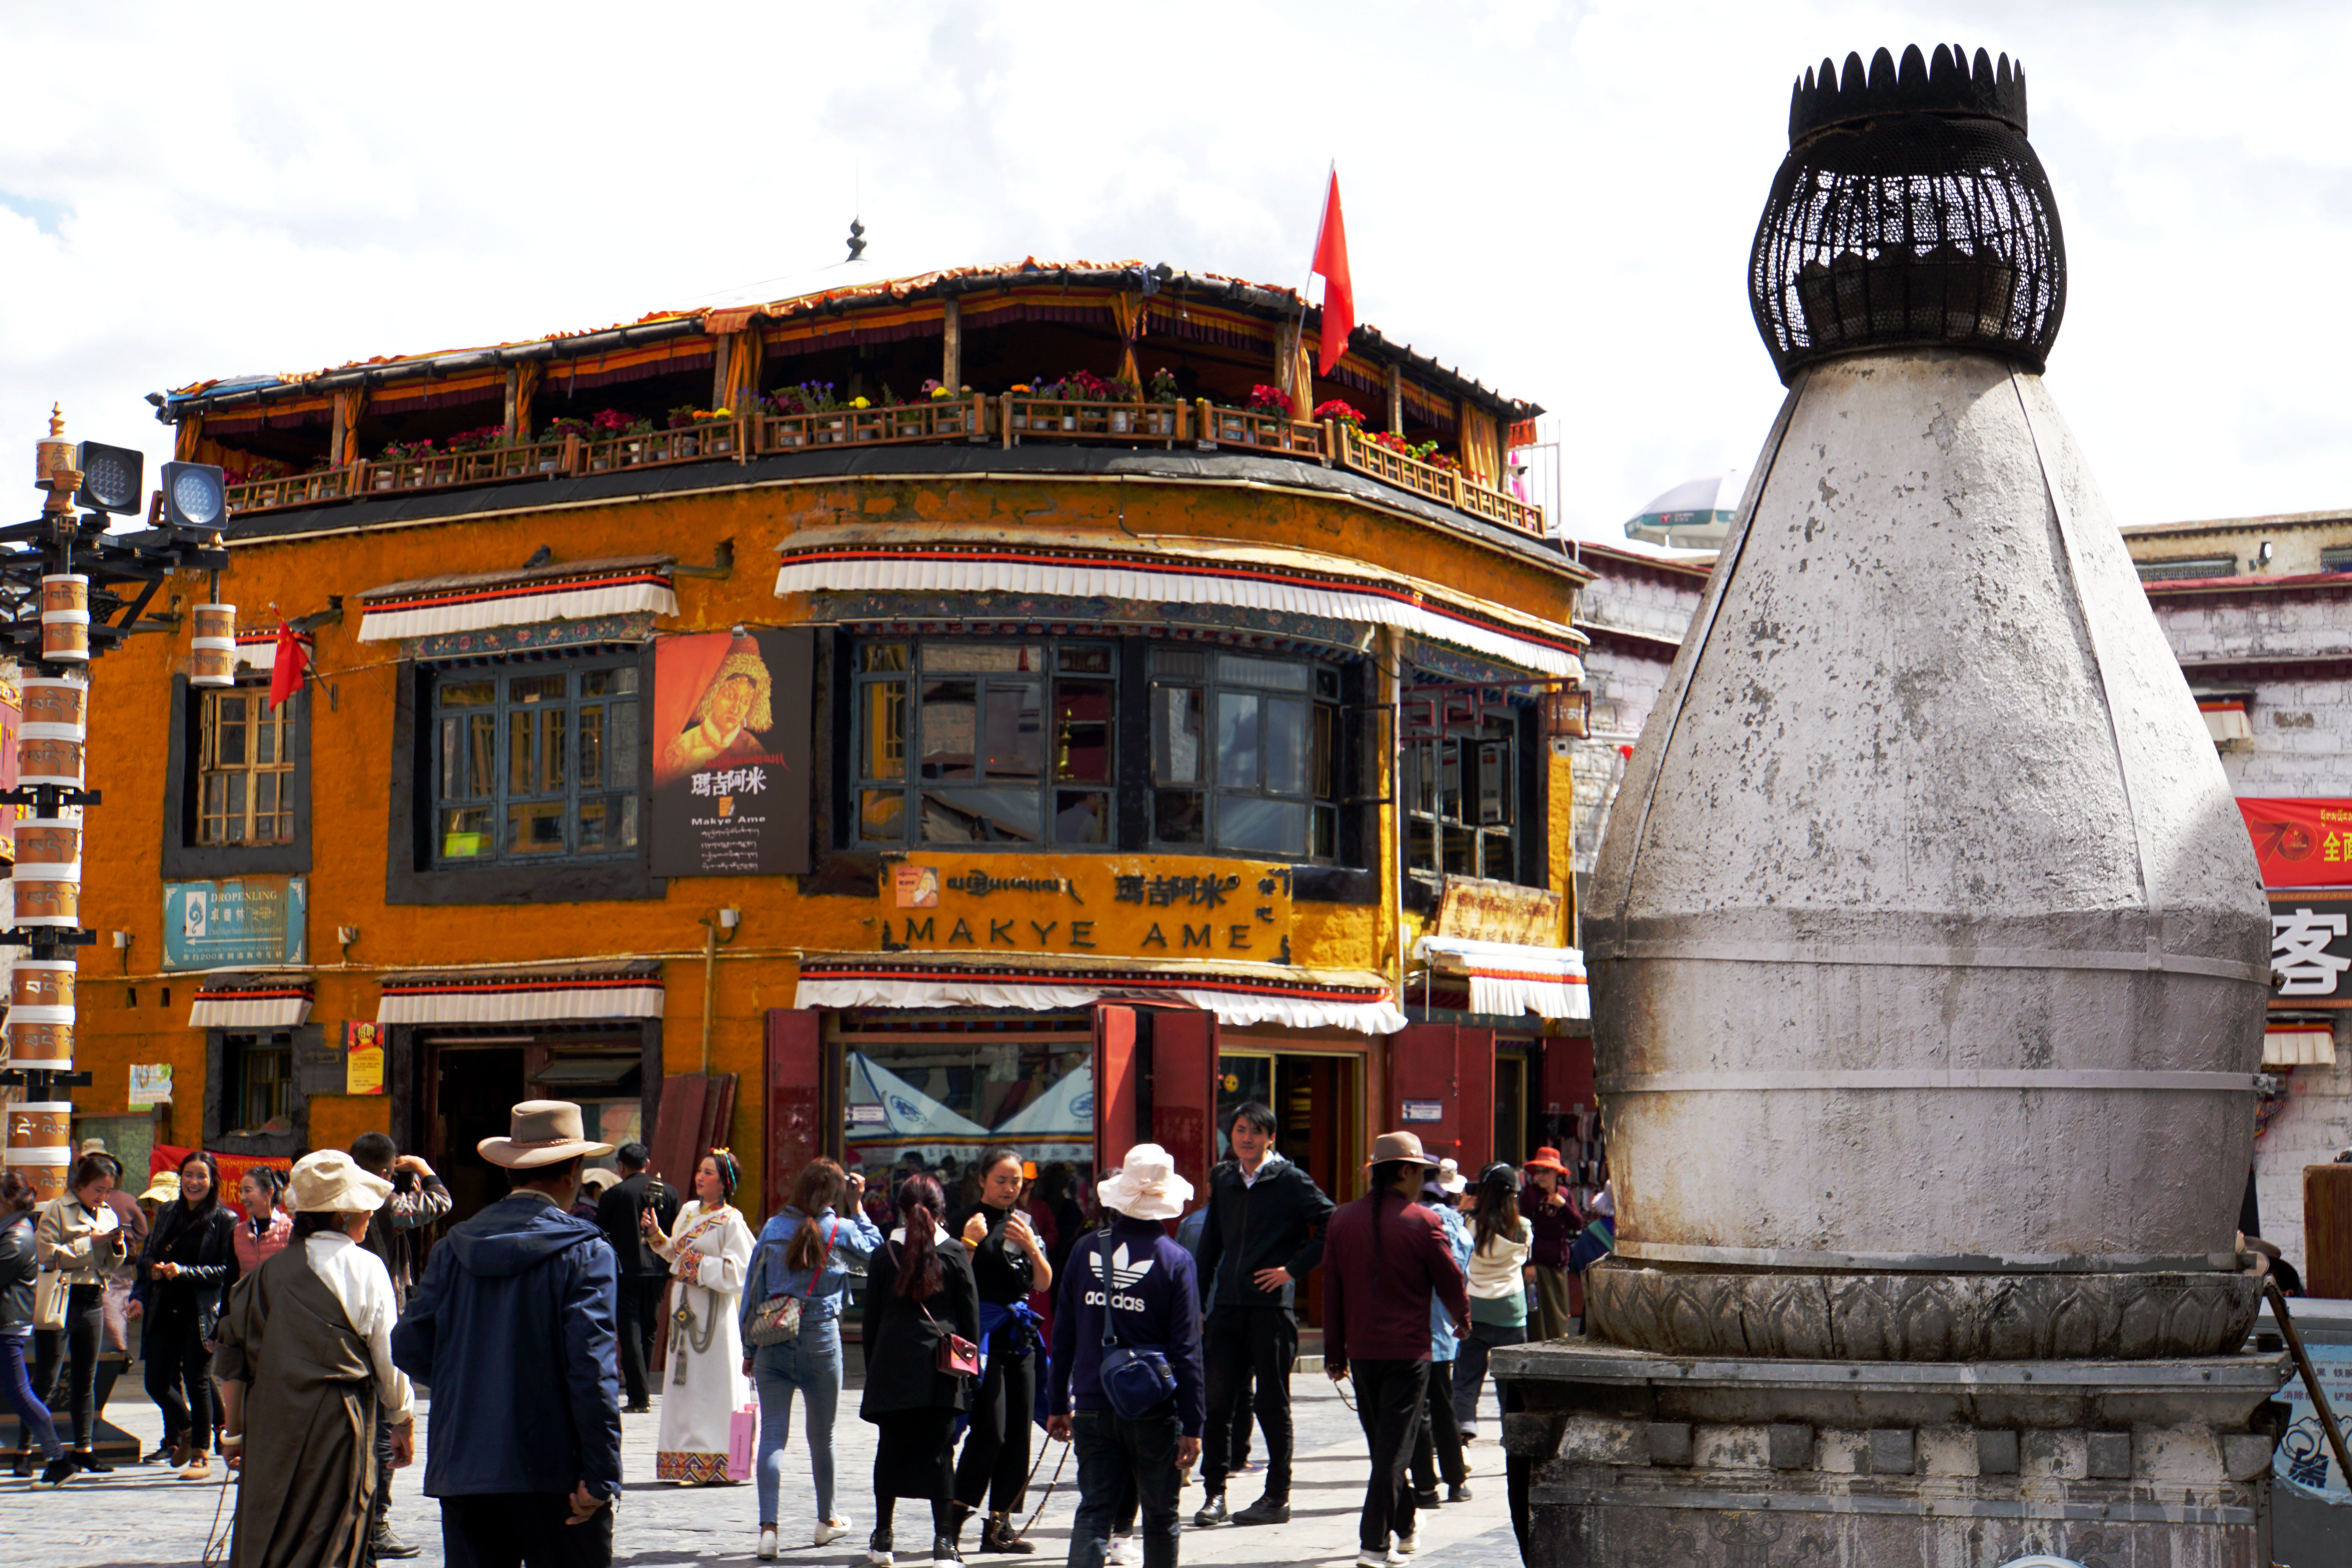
(857, 240)
(57, 421)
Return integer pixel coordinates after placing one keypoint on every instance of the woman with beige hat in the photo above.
(305, 1359)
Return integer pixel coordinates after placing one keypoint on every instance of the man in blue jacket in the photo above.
(1144, 1282)
(511, 1328)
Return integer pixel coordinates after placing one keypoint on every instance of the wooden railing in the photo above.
(1011, 419)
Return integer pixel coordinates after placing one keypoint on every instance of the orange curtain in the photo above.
(186, 437)
(349, 404)
(1126, 309)
(743, 370)
(1481, 450)
(527, 375)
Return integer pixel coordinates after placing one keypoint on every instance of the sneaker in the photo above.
(384, 1543)
(169, 1448)
(85, 1461)
(945, 1549)
(997, 1535)
(1457, 1494)
(1424, 1499)
(878, 1548)
(1469, 1433)
(1371, 1559)
(57, 1472)
(199, 1468)
(829, 1530)
(1406, 1545)
(1212, 1512)
(1123, 1554)
(1266, 1510)
(767, 1553)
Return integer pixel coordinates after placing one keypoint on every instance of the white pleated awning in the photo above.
(509, 996)
(1507, 979)
(2298, 1046)
(1238, 995)
(1244, 585)
(573, 591)
(250, 1002)
(2226, 722)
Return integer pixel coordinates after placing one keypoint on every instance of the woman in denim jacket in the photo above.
(809, 1251)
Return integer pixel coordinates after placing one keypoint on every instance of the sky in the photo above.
(1557, 197)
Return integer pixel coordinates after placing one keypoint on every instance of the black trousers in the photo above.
(637, 1318)
(1470, 1364)
(995, 1459)
(1390, 1398)
(1120, 1456)
(180, 1380)
(77, 1346)
(383, 1509)
(1241, 1345)
(1437, 1452)
(510, 1529)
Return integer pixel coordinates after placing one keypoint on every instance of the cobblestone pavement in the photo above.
(142, 1514)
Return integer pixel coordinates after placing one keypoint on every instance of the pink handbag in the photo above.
(742, 1442)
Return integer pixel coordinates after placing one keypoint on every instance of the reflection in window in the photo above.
(536, 764)
(1275, 725)
(1461, 798)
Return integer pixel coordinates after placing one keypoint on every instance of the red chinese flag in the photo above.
(287, 670)
(1339, 289)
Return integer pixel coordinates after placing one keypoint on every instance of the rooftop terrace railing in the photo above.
(1012, 419)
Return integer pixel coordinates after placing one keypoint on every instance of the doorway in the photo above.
(470, 1087)
(1310, 1095)
(1513, 1073)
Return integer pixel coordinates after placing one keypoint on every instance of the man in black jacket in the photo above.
(637, 1317)
(1265, 1230)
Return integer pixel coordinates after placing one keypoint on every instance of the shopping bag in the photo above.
(742, 1442)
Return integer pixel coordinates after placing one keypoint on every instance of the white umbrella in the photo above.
(1693, 515)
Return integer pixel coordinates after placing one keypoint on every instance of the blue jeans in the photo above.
(1113, 1455)
(21, 1398)
(810, 1365)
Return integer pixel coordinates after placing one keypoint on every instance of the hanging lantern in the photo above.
(1568, 713)
(214, 663)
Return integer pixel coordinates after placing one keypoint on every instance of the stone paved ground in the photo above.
(144, 1515)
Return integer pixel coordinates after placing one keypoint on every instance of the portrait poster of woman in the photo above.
(730, 753)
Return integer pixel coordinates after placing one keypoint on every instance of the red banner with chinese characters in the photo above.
(2301, 843)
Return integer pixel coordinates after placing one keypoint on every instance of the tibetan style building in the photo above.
(1016, 704)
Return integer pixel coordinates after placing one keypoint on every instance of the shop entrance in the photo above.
(473, 1082)
(1307, 1093)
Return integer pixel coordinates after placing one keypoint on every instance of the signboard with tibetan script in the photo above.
(1114, 906)
(225, 924)
(730, 745)
(1486, 911)
(2301, 843)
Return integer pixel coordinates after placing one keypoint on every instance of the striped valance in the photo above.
(250, 1002)
(512, 996)
(1508, 980)
(1238, 993)
(572, 591)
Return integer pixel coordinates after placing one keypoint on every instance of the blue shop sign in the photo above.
(246, 919)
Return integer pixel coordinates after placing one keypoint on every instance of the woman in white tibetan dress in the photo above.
(709, 1250)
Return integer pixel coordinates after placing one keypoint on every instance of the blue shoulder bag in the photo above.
(1135, 1379)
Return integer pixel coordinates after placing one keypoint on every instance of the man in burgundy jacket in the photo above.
(1386, 1261)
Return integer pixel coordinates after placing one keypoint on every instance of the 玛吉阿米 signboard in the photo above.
(241, 920)
(1115, 906)
(730, 746)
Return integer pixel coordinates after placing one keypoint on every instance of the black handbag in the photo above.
(1135, 1379)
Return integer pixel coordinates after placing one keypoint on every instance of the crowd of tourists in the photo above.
(537, 1323)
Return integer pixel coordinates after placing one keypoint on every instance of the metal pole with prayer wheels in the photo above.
(71, 591)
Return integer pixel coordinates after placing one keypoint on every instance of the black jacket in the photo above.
(1276, 1224)
(621, 1211)
(203, 1245)
(19, 1266)
(902, 1340)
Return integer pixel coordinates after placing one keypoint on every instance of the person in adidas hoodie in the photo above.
(1144, 1282)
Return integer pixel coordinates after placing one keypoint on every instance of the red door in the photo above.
(1441, 1085)
(1184, 1090)
(795, 1100)
(1115, 1084)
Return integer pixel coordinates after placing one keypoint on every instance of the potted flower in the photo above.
(1273, 400)
(1339, 412)
(403, 454)
(1164, 388)
(1020, 389)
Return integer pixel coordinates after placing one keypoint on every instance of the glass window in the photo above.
(260, 1081)
(1012, 742)
(1275, 726)
(243, 794)
(536, 763)
(1461, 793)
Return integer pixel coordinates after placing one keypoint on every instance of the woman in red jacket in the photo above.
(264, 1226)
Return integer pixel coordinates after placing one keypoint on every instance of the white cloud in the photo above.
(1558, 198)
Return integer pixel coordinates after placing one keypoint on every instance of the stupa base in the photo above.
(1651, 1461)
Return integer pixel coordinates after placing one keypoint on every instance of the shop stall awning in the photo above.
(1237, 993)
(571, 591)
(1507, 979)
(2298, 1046)
(250, 1002)
(630, 990)
(2226, 722)
(1261, 580)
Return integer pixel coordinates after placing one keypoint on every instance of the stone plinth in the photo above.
(1653, 1461)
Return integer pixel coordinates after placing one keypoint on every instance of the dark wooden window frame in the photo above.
(184, 859)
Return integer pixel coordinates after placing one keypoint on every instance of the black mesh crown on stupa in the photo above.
(1909, 212)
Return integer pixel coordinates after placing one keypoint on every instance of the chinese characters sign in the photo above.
(2310, 951)
(2301, 843)
(1114, 906)
(221, 925)
(731, 744)
(2302, 1460)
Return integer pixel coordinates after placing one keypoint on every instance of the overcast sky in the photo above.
(1557, 197)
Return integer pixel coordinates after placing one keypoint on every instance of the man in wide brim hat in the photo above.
(511, 1328)
(1556, 1223)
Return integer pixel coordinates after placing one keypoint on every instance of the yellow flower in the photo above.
(939, 391)
(859, 402)
(723, 413)
(1020, 386)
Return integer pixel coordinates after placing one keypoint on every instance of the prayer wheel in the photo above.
(41, 1043)
(59, 702)
(40, 1145)
(46, 900)
(41, 983)
(215, 660)
(65, 618)
(50, 848)
(48, 758)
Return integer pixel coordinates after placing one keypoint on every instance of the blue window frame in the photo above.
(536, 761)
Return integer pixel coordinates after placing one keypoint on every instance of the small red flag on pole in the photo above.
(286, 671)
(1339, 289)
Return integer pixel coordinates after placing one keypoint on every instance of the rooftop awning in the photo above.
(630, 990)
(2298, 1046)
(571, 591)
(250, 1002)
(1238, 993)
(1507, 979)
(1261, 582)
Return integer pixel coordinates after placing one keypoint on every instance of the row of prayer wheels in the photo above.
(46, 892)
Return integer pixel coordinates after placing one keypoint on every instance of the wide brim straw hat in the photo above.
(598, 1180)
(1147, 1185)
(1404, 1146)
(1449, 1177)
(163, 1189)
(1546, 1159)
(332, 1182)
(541, 1132)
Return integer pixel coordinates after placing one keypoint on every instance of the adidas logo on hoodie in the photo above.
(1120, 1275)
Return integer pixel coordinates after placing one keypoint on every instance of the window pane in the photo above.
(537, 688)
(1421, 846)
(481, 755)
(621, 718)
(950, 711)
(265, 797)
(628, 829)
(452, 752)
(1081, 816)
(980, 815)
(1327, 684)
(1449, 783)
(265, 736)
(1325, 843)
(595, 817)
(607, 682)
(1237, 744)
(519, 731)
(883, 656)
(232, 742)
(1176, 735)
(1179, 665)
(1083, 658)
(465, 832)
(1276, 674)
(1270, 827)
(215, 794)
(1179, 816)
(236, 782)
(881, 816)
(1286, 744)
(592, 747)
(1082, 734)
(969, 657)
(468, 693)
(1322, 760)
(1493, 784)
(886, 730)
(535, 829)
(1495, 859)
(1016, 730)
(553, 751)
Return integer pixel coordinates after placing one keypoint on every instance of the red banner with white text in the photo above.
(2301, 843)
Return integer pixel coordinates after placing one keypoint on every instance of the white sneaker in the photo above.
(829, 1530)
(1375, 1559)
(1406, 1545)
(1122, 1553)
(768, 1544)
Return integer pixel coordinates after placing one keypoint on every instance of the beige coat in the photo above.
(82, 1247)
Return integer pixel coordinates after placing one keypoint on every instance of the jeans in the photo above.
(1470, 1364)
(1113, 1453)
(1389, 1395)
(1437, 1452)
(180, 1381)
(995, 1460)
(78, 1342)
(1240, 1344)
(637, 1315)
(810, 1365)
(19, 1393)
(508, 1530)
